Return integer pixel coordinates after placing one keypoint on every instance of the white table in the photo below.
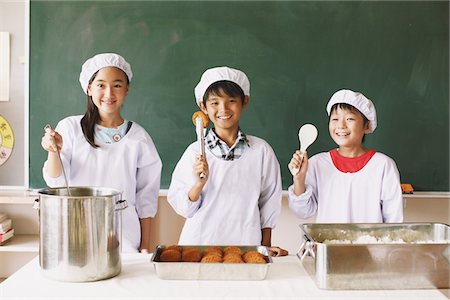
(286, 279)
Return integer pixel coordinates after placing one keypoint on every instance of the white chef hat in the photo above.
(101, 61)
(218, 74)
(357, 100)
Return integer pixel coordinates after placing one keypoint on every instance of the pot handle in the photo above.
(121, 205)
(307, 248)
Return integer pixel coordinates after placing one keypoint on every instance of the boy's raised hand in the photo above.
(299, 161)
(201, 167)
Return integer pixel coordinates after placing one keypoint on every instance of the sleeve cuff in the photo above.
(52, 181)
(191, 207)
(303, 197)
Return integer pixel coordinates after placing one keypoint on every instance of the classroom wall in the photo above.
(12, 20)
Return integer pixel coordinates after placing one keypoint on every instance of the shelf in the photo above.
(417, 195)
(428, 195)
(28, 197)
(17, 197)
(22, 243)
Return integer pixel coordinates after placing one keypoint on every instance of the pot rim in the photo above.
(109, 192)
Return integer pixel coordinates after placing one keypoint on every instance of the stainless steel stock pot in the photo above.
(80, 235)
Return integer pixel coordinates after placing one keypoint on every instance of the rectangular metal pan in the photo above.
(377, 256)
(211, 271)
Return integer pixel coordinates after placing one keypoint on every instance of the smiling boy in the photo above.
(350, 184)
(238, 202)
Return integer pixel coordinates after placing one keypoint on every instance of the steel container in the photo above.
(80, 235)
(211, 271)
(377, 256)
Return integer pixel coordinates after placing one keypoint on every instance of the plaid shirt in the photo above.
(221, 150)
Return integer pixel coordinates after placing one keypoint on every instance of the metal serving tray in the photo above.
(419, 261)
(211, 271)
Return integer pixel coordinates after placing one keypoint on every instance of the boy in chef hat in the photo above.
(238, 202)
(350, 184)
(87, 144)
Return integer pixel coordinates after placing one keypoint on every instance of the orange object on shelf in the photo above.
(407, 188)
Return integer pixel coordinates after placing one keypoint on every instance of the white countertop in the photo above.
(286, 279)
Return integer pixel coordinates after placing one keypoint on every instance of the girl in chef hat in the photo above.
(102, 148)
(350, 184)
(238, 202)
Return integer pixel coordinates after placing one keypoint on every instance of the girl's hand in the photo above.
(201, 167)
(50, 139)
(299, 161)
(277, 251)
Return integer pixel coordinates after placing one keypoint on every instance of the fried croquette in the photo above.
(233, 258)
(213, 249)
(203, 117)
(174, 247)
(191, 255)
(211, 258)
(254, 257)
(170, 255)
(256, 260)
(251, 253)
(232, 249)
(189, 248)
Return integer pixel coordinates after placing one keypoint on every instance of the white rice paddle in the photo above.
(306, 135)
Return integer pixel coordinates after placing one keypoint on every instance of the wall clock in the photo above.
(6, 140)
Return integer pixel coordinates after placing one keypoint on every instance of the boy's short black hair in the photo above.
(346, 106)
(226, 87)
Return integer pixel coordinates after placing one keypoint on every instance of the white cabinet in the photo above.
(24, 245)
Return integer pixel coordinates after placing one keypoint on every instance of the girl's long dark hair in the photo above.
(91, 117)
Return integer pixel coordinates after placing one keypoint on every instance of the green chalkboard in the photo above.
(296, 54)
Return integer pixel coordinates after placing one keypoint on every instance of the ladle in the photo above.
(306, 135)
(201, 122)
(48, 127)
(201, 138)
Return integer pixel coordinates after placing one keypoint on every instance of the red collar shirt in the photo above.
(364, 189)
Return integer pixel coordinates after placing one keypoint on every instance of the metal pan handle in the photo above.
(121, 205)
(306, 249)
(36, 204)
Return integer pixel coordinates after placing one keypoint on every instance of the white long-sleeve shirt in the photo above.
(131, 165)
(240, 198)
(371, 195)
